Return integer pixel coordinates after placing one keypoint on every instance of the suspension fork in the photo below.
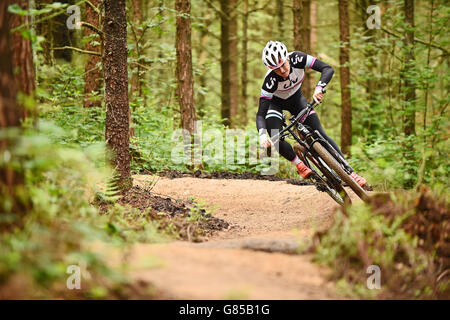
(335, 154)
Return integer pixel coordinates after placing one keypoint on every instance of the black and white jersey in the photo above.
(275, 86)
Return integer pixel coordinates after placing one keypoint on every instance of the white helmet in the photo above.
(274, 54)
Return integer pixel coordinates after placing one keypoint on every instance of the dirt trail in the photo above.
(264, 216)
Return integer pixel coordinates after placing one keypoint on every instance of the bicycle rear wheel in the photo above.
(337, 168)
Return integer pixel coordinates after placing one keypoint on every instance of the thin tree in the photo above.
(302, 34)
(137, 35)
(116, 89)
(234, 58)
(279, 8)
(305, 33)
(22, 56)
(409, 118)
(409, 122)
(313, 28)
(93, 74)
(244, 57)
(370, 67)
(185, 89)
(203, 55)
(344, 60)
(228, 60)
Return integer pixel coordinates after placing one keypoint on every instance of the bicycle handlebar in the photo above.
(309, 107)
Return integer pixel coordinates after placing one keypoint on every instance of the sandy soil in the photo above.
(264, 216)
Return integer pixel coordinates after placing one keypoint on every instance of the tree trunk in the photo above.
(225, 62)
(344, 59)
(305, 32)
(410, 93)
(244, 78)
(297, 9)
(10, 114)
(137, 18)
(116, 89)
(203, 55)
(302, 35)
(22, 57)
(313, 29)
(409, 118)
(185, 90)
(234, 82)
(136, 85)
(93, 74)
(371, 123)
(280, 20)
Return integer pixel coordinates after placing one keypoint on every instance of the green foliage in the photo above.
(154, 144)
(62, 182)
(381, 80)
(365, 236)
(133, 225)
(59, 182)
(200, 211)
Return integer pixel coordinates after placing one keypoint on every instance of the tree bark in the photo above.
(234, 58)
(10, 114)
(410, 90)
(244, 78)
(22, 57)
(297, 9)
(280, 20)
(225, 62)
(203, 55)
(313, 28)
(116, 89)
(185, 90)
(137, 17)
(344, 59)
(370, 123)
(93, 74)
(302, 35)
(305, 32)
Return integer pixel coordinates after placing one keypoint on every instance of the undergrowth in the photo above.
(405, 234)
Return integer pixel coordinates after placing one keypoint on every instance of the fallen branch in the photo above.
(79, 50)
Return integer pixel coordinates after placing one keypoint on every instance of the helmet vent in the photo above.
(273, 59)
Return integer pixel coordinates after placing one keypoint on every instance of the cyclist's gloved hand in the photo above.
(318, 94)
(264, 140)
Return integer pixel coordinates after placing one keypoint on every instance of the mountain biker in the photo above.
(281, 91)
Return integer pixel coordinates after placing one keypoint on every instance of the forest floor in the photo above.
(255, 257)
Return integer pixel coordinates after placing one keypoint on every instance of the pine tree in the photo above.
(344, 59)
(116, 89)
(185, 90)
(93, 72)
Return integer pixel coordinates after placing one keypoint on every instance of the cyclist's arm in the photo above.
(302, 60)
(261, 115)
(326, 72)
(268, 88)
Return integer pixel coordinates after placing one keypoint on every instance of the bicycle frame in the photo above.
(308, 138)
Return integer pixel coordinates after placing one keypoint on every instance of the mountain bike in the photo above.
(331, 172)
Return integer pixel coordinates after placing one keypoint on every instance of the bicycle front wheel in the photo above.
(325, 180)
(337, 168)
